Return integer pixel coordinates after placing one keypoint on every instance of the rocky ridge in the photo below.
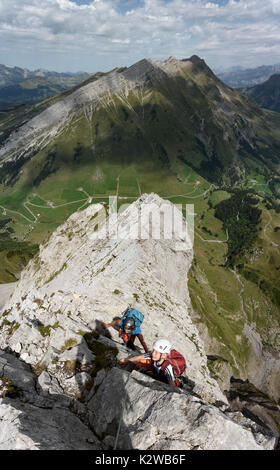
(59, 370)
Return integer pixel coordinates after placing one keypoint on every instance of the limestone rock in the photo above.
(154, 416)
(32, 419)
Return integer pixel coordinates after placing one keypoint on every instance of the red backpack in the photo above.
(177, 361)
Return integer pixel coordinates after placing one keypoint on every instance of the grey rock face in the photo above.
(6, 291)
(35, 419)
(154, 416)
(24, 426)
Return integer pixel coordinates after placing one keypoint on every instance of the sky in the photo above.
(98, 35)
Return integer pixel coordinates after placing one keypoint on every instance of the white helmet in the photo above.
(162, 346)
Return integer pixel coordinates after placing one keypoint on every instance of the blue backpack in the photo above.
(137, 316)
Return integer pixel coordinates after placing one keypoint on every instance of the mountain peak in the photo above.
(199, 63)
(138, 70)
(196, 59)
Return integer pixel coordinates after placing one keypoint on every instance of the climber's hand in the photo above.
(123, 361)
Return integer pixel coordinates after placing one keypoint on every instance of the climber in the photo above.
(166, 363)
(129, 328)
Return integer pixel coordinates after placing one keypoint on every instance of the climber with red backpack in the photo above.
(166, 363)
(129, 324)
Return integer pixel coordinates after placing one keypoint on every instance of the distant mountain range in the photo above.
(14, 75)
(267, 94)
(21, 86)
(238, 77)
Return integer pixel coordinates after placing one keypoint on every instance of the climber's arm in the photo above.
(132, 359)
(142, 341)
(113, 323)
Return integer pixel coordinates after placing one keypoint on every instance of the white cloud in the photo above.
(155, 28)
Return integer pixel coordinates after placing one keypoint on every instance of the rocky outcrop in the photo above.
(263, 364)
(245, 397)
(35, 414)
(59, 372)
(149, 415)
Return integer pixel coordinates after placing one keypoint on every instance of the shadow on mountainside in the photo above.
(105, 332)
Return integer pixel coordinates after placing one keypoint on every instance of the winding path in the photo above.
(212, 241)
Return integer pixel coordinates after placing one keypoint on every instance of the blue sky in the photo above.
(92, 35)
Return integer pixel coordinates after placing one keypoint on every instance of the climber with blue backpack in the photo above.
(129, 324)
(164, 361)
